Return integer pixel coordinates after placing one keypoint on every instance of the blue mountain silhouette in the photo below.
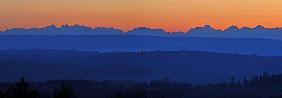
(148, 32)
(63, 30)
(235, 32)
(205, 31)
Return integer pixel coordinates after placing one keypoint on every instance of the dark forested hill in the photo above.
(195, 67)
(126, 43)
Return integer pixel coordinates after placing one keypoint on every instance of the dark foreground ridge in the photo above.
(262, 86)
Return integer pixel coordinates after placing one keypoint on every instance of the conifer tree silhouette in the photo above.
(21, 90)
(64, 92)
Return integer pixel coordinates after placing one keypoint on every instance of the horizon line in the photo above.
(93, 27)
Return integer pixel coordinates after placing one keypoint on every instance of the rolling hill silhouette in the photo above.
(125, 43)
(195, 67)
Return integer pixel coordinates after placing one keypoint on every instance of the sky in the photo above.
(170, 15)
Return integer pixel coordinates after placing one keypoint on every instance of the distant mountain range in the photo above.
(63, 30)
(205, 31)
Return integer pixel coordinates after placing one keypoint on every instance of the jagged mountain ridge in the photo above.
(205, 31)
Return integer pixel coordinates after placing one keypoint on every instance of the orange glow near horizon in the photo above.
(171, 15)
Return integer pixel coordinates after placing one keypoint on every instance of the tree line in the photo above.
(22, 89)
(259, 86)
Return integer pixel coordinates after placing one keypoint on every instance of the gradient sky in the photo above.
(171, 15)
